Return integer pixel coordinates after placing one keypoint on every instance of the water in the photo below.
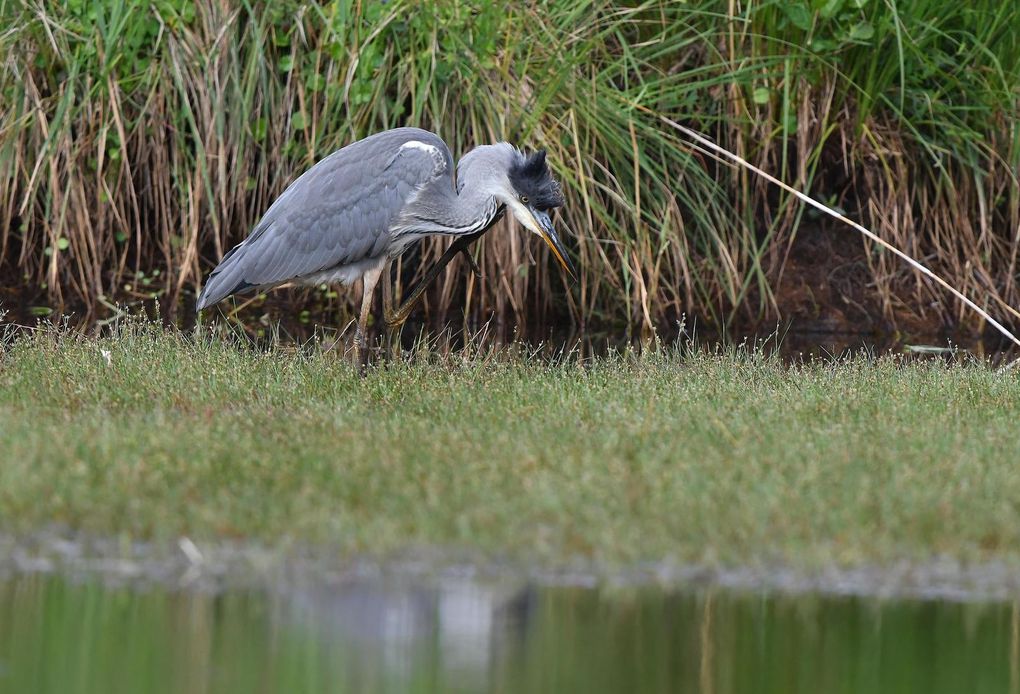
(64, 635)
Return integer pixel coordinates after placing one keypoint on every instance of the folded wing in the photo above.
(338, 213)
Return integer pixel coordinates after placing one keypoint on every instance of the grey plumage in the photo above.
(365, 203)
(336, 214)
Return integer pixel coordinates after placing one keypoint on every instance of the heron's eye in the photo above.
(524, 199)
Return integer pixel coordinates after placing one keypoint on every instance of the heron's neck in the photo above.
(471, 210)
(441, 210)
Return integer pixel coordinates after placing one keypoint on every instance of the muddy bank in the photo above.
(216, 566)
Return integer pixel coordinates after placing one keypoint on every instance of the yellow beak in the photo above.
(544, 226)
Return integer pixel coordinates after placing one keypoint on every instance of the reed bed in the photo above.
(140, 140)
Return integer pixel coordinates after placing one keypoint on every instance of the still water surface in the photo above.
(61, 635)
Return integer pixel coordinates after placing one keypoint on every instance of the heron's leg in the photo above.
(368, 282)
(392, 340)
(387, 292)
(396, 318)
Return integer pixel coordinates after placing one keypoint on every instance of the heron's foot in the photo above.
(392, 343)
(396, 319)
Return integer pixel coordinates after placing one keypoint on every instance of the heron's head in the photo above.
(524, 184)
(534, 194)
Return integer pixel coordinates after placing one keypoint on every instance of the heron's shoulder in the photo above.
(404, 139)
(418, 156)
(408, 134)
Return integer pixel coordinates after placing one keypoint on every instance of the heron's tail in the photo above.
(225, 280)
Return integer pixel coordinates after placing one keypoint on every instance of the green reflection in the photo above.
(61, 636)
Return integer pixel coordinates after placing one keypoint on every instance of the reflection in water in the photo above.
(464, 635)
(404, 635)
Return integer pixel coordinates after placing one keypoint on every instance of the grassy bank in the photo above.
(140, 140)
(667, 456)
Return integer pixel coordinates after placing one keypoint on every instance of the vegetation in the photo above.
(676, 454)
(139, 140)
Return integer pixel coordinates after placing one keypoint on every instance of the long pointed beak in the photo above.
(548, 234)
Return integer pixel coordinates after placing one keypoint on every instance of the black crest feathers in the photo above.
(531, 178)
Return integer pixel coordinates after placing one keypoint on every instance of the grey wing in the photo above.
(337, 213)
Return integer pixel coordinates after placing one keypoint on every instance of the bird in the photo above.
(363, 205)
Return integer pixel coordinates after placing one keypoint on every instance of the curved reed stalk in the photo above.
(704, 141)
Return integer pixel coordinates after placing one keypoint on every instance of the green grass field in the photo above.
(675, 455)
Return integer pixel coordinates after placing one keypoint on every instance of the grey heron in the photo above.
(363, 205)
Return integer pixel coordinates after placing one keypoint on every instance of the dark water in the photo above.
(63, 636)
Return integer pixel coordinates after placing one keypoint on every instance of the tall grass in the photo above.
(139, 141)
